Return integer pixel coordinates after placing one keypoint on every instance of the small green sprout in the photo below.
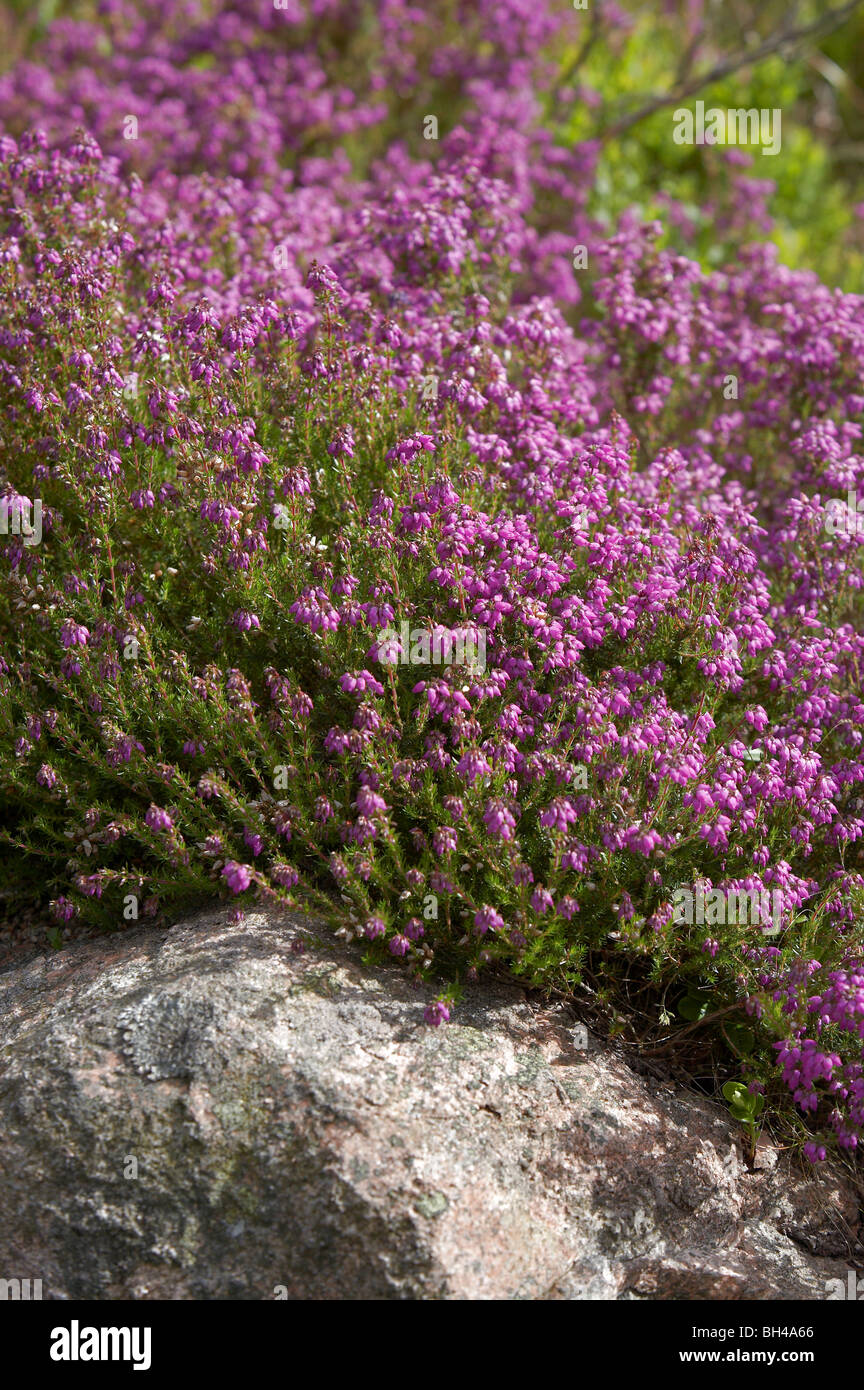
(744, 1106)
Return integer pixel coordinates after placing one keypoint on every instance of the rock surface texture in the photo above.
(210, 1113)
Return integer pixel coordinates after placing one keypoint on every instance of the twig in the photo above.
(689, 54)
(836, 77)
(589, 42)
(699, 1023)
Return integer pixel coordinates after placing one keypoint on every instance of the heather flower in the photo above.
(342, 445)
(487, 919)
(244, 621)
(338, 868)
(542, 900)
(499, 820)
(284, 875)
(361, 682)
(321, 277)
(73, 634)
(157, 819)
(253, 842)
(816, 1153)
(237, 876)
(559, 814)
(315, 610)
(444, 840)
(471, 766)
(441, 883)
(295, 483)
(90, 885)
(369, 803)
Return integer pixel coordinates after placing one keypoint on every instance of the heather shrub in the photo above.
(359, 556)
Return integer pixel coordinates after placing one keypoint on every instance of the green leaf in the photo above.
(744, 1105)
(692, 1007)
(733, 1090)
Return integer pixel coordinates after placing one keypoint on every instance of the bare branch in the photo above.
(688, 57)
(590, 39)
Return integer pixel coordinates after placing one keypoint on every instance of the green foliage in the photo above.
(745, 1106)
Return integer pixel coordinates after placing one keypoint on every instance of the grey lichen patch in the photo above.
(532, 1069)
(462, 1042)
(164, 1035)
(576, 1090)
(431, 1204)
(359, 1170)
(327, 982)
